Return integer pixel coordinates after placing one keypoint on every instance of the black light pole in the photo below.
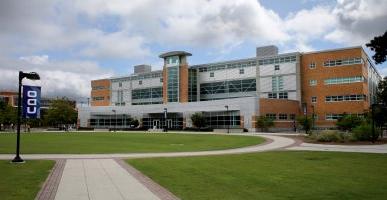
(115, 116)
(312, 117)
(305, 105)
(31, 76)
(165, 120)
(228, 123)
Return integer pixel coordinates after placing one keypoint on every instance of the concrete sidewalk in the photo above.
(99, 179)
(341, 148)
(273, 142)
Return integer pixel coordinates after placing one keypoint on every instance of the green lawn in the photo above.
(23, 181)
(81, 143)
(272, 175)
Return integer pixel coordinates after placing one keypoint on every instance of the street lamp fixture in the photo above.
(165, 120)
(115, 116)
(22, 75)
(228, 123)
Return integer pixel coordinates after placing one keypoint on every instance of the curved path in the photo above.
(272, 143)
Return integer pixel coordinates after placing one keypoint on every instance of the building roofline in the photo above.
(175, 53)
(335, 49)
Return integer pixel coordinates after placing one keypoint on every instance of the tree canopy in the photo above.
(198, 120)
(379, 46)
(61, 112)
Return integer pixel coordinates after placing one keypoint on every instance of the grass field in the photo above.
(82, 143)
(23, 181)
(272, 175)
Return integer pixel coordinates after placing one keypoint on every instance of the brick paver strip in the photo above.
(50, 186)
(155, 188)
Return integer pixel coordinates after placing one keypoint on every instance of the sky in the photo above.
(70, 43)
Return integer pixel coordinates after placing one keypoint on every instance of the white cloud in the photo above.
(358, 21)
(37, 60)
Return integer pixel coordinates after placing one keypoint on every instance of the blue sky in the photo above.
(72, 42)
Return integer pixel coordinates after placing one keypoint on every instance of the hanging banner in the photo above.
(31, 101)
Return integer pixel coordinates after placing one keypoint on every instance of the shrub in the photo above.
(264, 123)
(363, 132)
(329, 136)
(306, 123)
(198, 120)
(348, 122)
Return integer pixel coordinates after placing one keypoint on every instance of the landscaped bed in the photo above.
(86, 143)
(23, 181)
(271, 175)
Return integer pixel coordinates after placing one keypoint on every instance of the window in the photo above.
(342, 62)
(354, 97)
(161, 79)
(312, 65)
(344, 80)
(314, 99)
(120, 84)
(271, 116)
(272, 95)
(315, 117)
(140, 82)
(312, 82)
(276, 67)
(283, 95)
(241, 71)
(333, 116)
(283, 116)
(277, 83)
(212, 74)
(292, 116)
(98, 98)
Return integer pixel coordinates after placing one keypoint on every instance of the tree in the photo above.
(198, 120)
(264, 123)
(135, 123)
(305, 122)
(379, 46)
(8, 114)
(382, 91)
(348, 122)
(61, 112)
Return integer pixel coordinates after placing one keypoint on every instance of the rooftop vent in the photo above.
(266, 51)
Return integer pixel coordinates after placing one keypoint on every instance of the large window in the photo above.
(192, 85)
(173, 84)
(312, 82)
(225, 119)
(147, 96)
(277, 83)
(354, 97)
(224, 87)
(341, 62)
(343, 80)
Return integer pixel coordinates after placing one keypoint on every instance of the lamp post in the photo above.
(305, 106)
(312, 117)
(31, 76)
(115, 116)
(165, 120)
(228, 123)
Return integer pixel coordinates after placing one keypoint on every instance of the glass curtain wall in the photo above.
(192, 85)
(223, 119)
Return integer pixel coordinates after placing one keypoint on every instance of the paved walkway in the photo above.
(273, 143)
(341, 148)
(99, 179)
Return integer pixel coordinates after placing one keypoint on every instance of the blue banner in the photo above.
(31, 101)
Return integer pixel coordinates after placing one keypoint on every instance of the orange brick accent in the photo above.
(320, 73)
(253, 121)
(242, 122)
(183, 83)
(165, 82)
(10, 96)
(100, 93)
(279, 106)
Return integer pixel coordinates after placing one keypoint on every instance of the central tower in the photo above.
(175, 76)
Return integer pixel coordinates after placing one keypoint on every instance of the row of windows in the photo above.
(244, 85)
(341, 62)
(344, 80)
(277, 83)
(279, 95)
(139, 77)
(228, 66)
(99, 87)
(147, 93)
(281, 116)
(98, 98)
(355, 97)
(277, 60)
